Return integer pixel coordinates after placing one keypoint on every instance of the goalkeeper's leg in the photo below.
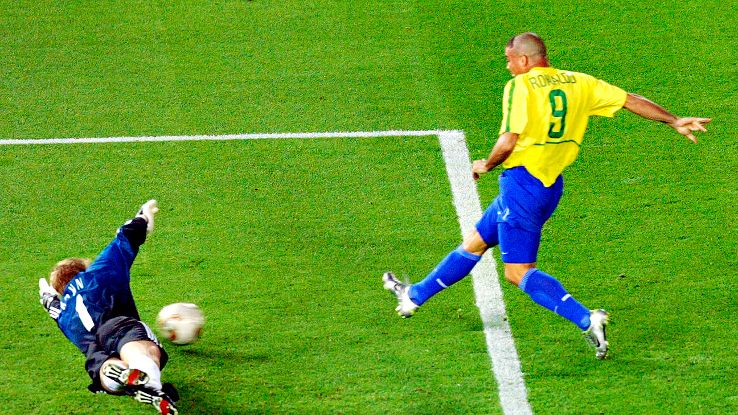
(138, 348)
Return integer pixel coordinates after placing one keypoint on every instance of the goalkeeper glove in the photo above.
(147, 211)
(49, 298)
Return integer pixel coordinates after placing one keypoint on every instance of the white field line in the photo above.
(355, 134)
(500, 343)
(488, 293)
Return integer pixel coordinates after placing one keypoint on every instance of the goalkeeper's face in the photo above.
(65, 270)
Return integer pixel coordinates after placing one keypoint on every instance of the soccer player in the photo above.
(545, 113)
(97, 313)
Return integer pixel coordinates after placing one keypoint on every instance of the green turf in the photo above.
(282, 242)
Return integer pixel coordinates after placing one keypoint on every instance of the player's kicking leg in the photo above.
(452, 269)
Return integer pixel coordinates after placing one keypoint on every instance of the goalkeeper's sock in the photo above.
(451, 270)
(548, 292)
(148, 366)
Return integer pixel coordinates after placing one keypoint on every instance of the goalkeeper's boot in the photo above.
(595, 334)
(170, 390)
(163, 402)
(119, 373)
(405, 306)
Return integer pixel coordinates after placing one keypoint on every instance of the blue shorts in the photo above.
(515, 218)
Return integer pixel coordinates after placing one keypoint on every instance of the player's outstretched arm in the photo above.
(118, 256)
(147, 211)
(137, 228)
(646, 108)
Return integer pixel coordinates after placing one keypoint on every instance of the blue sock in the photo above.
(451, 270)
(548, 292)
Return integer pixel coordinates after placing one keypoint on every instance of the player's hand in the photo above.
(479, 167)
(148, 210)
(49, 298)
(687, 125)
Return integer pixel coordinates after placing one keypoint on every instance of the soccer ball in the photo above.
(180, 323)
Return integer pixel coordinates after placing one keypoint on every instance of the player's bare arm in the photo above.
(646, 108)
(500, 152)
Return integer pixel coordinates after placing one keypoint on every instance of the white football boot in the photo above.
(405, 306)
(163, 402)
(595, 334)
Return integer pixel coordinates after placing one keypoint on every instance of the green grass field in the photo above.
(282, 242)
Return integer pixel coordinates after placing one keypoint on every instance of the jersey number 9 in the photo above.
(558, 113)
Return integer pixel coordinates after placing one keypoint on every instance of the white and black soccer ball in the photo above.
(180, 323)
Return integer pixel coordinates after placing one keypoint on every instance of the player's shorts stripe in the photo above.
(150, 334)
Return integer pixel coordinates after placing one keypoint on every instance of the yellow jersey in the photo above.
(549, 109)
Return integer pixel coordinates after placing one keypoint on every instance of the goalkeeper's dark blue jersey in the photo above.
(100, 293)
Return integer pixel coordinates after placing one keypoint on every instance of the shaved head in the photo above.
(524, 52)
(528, 44)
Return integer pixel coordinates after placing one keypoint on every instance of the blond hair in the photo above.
(65, 270)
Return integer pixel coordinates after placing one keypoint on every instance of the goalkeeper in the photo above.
(93, 306)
